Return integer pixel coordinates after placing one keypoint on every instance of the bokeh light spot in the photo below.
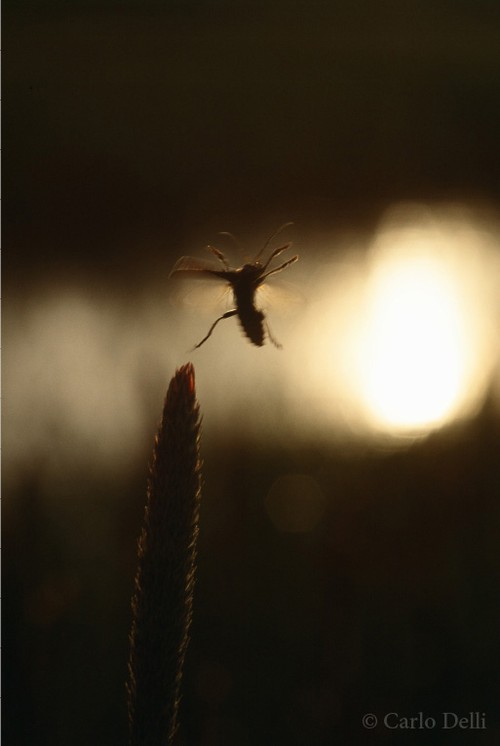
(402, 337)
(416, 348)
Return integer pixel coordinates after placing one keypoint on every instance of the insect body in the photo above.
(244, 283)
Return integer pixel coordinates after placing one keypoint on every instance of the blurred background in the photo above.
(348, 554)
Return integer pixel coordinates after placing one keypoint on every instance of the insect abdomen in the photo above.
(252, 323)
(251, 319)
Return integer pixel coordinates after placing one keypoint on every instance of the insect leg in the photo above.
(278, 269)
(273, 340)
(276, 252)
(224, 316)
(220, 256)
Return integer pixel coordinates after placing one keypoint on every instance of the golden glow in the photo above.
(403, 338)
(415, 347)
(397, 338)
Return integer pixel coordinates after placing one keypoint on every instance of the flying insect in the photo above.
(244, 283)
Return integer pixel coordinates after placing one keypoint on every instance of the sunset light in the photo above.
(410, 324)
(416, 347)
(393, 338)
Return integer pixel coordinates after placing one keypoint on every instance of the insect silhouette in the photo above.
(244, 283)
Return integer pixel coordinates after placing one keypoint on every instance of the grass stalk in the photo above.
(162, 603)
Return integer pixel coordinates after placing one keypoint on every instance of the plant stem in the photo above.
(163, 596)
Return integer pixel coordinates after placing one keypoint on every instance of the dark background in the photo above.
(132, 130)
(132, 124)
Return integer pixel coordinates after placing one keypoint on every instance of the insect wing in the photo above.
(280, 295)
(190, 265)
(207, 296)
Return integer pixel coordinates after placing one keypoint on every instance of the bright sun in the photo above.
(410, 324)
(414, 348)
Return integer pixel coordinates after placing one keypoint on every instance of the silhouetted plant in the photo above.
(163, 597)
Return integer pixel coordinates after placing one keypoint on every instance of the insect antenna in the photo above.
(233, 238)
(273, 235)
